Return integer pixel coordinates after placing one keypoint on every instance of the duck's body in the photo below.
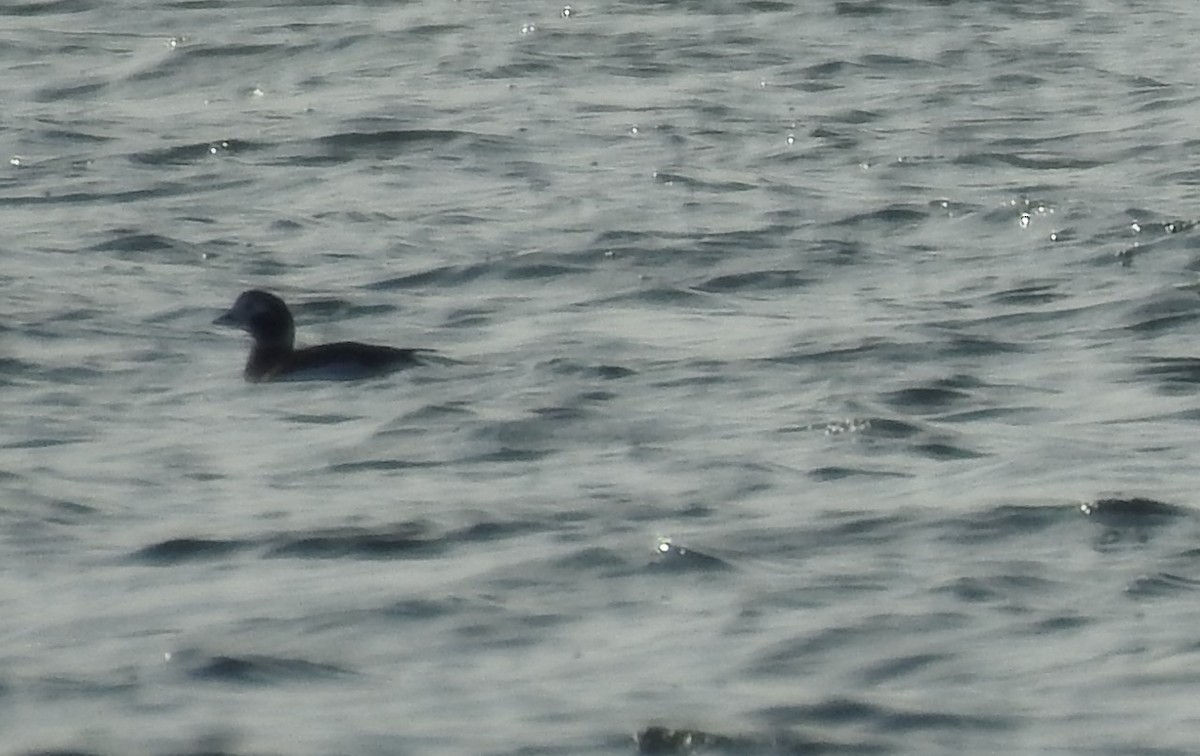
(273, 357)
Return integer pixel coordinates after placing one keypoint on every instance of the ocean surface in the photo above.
(812, 377)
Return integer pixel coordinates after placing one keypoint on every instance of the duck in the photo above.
(274, 357)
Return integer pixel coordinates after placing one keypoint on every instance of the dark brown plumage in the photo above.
(273, 357)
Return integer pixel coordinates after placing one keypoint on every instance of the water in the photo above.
(819, 377)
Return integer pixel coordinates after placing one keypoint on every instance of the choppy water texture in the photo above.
(818, 377)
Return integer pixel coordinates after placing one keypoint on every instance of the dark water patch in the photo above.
(539, 63)
(1134, 513)
(882, 427)
(1118, 540)
(843, 712)
(1020, 80)
(592, 558)
(798, 656)
(180, 550)
(192, 59)
(319, 419)
(924, 399)
(1128, 255)
(1155, 324)
(561, 414)
(831, 473)
(204, 477)
(133, 196)
(261, 670)
(996, 589)
(380, 465)
(1032, 413)
(856, 116)
(909, 721)
(1024, 143)
(835, 252)
(953, 208)
(423, 610)
(383, 144)
(767, 6)
(839, 427)
(46, 7)
(850, 529)
(898, 668)
(1049, 163)
(217, 743)
(862, 8)
(75, 315)
(1166, 227)
(510, 454)
(655, 295)
(14, 366)
(523, 439)
(563, 366)
(429, 414)
(333, 308)
(683, 741)
(874, 349)
(196, 152)
(891, 216)
(830, 712)
(531, 271)
(367, 218)
(960, 345)
(667, 250)
(401, 541)
(827, 69)
(130, 244)
(49, 510)
(432, 30)
(72, 92)
(1003, 522)
(43, 443)
(1063, 623)
(922, 441)
(943, 452)
(232, 50)
(493, 530)
(282, 224)
(1191, 555)
(512, 630)
(1064, 234)
(471, 318)
(449, 219)
(765, 280)
(56, 688)
(674, 558)
(699, 373)
(679, 179)
(1174, 376)
(1029, 294)
(611, 373)
(446, 276)
(205, 746)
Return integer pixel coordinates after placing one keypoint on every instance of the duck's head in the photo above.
(264, 316)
